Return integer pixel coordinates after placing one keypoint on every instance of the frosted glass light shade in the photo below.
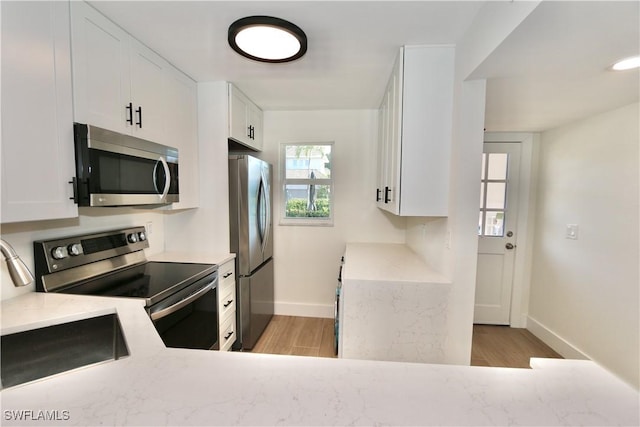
(627, 63)
(267, 39)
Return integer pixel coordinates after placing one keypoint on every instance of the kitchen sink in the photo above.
(39, 353)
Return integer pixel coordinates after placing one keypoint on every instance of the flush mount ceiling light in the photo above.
(627, 64)
(267, 39)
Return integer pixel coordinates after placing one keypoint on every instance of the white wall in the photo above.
(307, 257)
(22, 235)
(450, 244)
(585, 293)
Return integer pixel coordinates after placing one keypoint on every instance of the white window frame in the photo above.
(305, 221)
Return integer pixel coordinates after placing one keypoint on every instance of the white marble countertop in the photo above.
(159, 386)
(388, 262)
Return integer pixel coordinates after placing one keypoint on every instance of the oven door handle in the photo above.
(180, 304)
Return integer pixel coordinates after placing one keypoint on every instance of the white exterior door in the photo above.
(497, 226)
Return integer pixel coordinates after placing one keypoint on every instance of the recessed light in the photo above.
(267, 39)
(627, 63)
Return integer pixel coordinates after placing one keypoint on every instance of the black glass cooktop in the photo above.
(152, 280)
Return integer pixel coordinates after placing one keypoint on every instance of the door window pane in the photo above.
(484, 165)
(497, 166)
(494, 224)
(493, 194)
(496, 195)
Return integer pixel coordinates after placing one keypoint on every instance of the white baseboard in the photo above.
(304, 310)
(555, 341)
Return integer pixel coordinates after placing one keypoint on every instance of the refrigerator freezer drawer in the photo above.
(256, 305)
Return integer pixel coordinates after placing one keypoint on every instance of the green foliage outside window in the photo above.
(297, 208)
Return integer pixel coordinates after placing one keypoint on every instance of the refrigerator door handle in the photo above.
(266, 227)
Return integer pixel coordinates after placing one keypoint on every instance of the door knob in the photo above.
(509, 246)
(509, 233)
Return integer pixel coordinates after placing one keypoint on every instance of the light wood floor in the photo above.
(300, 336)
(502, 346)
(498, 346)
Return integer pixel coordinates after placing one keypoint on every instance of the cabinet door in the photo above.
(181, 126)
(37, 119)
(148, 93)
(255, 123)
(390, 142)
(101, 78)
(238, 125)
(383, 123)
(394, 139)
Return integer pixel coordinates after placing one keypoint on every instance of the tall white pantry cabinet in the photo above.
(415, 129)
(37, 112)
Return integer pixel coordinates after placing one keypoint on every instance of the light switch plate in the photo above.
(572, 231)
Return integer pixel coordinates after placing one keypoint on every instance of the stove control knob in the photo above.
(59, 252)
(142, 236)
(132, 238)
(74, 249)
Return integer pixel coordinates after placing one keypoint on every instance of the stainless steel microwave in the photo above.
(113, 169)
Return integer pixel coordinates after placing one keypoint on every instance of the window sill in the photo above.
(307, 222)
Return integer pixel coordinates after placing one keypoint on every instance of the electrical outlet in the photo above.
(447, 242)
(572, 232)
(149, 227)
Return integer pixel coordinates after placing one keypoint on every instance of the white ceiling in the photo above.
(551, 70)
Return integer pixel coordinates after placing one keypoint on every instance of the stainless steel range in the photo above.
(181, 298)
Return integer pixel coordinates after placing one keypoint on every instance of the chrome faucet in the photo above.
(20, 274)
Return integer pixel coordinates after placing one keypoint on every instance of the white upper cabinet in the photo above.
(118, 82)
(182, 133)
(415, 133)
(148, 94)
(37, 113)
(101, 70)
(245, 120)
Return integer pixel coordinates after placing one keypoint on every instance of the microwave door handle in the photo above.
(167, 178)
(180, 304)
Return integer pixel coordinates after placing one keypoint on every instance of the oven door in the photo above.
(189, 318)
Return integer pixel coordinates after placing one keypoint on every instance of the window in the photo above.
(493, 190)
(307, 184)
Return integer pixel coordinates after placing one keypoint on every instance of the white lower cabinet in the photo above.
(226, 305)
(37, 112)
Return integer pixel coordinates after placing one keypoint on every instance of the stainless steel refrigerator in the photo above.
(251, 233)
